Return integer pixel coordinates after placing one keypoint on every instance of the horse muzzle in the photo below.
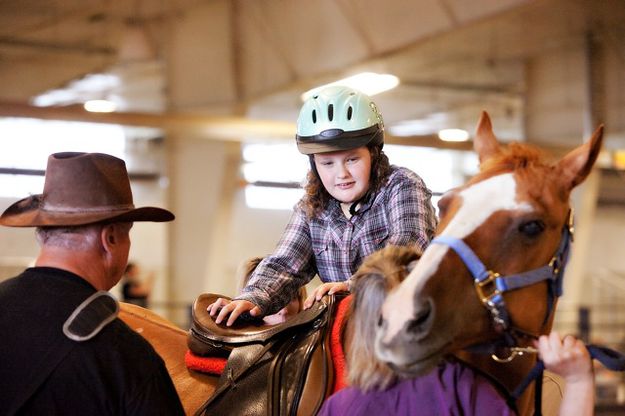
(412, 346)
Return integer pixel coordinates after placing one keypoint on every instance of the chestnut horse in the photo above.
(490, 277)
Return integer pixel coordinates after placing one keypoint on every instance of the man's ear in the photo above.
(108, 237)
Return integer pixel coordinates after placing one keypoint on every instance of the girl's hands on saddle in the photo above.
(569, 358)
(224, 308)
(321, 290)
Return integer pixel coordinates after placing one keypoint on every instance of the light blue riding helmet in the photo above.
(338, 118)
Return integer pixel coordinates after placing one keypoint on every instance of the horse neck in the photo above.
(510, 375)
(507, 376)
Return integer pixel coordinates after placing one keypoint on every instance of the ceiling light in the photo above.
(618, 159)
(453, 135)
(100, 106)
(369, 83)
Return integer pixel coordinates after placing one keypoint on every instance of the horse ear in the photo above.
(578, 163)
(485, 142)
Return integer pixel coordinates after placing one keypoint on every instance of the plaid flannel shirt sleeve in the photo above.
(279, 276)
(411, 215)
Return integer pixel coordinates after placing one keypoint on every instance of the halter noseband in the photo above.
(490, 285)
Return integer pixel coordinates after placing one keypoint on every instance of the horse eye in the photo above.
(532, 228)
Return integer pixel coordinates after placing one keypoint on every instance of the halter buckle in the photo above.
(514, 352)
(570, 223)
(553, 263)
(483, 286)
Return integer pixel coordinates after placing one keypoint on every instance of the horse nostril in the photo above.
(380, 321)
(416, 325)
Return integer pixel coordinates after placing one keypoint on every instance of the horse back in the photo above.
(170, 342)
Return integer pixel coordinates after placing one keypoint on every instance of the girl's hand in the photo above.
(567, 357)
(224, 308)
(570, 359)
(329, 288)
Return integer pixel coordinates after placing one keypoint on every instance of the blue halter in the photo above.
(490, 286)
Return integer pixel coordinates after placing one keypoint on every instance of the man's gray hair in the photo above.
(80, 238)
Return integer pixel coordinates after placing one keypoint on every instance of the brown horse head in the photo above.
(511, 216)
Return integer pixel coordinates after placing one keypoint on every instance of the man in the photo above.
(62, 351)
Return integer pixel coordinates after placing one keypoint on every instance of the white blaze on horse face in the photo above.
(479, 202)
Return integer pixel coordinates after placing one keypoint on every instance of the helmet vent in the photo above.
(331, 112)
(314, 116)
(350, 110)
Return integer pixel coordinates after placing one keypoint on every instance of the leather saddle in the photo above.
(283, 369)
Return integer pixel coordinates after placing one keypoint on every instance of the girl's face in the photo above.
(345, 174)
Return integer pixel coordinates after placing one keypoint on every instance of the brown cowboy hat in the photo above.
(80, 189)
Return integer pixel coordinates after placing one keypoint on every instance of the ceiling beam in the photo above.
(56, 47)
(214, 127)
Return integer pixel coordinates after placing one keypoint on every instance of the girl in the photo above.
(355, 203)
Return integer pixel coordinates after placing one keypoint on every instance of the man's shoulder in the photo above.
(121, 354)
(125, 340)
(11, 284)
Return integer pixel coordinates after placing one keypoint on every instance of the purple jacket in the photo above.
(450, 389)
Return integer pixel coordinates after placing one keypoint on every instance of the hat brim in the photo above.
(319, 144)
(27, 213)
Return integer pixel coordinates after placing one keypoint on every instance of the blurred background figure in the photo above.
(136, 288)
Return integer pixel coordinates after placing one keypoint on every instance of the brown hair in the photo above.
(317, 197)
(379, 273)
(247, 268)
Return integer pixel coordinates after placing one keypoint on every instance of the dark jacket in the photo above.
(115, 373)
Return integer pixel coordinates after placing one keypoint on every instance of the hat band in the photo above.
(107, 208)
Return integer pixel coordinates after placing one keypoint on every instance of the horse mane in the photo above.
(379, 273)
(515, 157)
(245, 270)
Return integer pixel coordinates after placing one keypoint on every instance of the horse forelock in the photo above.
(513, 157)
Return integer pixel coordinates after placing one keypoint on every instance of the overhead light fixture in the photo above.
(369, 83)
(100, 106)
(618, 159)
(80, 90)
(453, 135)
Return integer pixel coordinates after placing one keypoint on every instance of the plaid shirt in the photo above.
(333, 246)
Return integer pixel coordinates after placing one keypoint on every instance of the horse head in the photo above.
(495, 267)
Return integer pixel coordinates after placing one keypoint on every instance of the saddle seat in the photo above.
(206, 360)
(285, 368)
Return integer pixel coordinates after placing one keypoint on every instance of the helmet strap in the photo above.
(313, 167)
(353, 208)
